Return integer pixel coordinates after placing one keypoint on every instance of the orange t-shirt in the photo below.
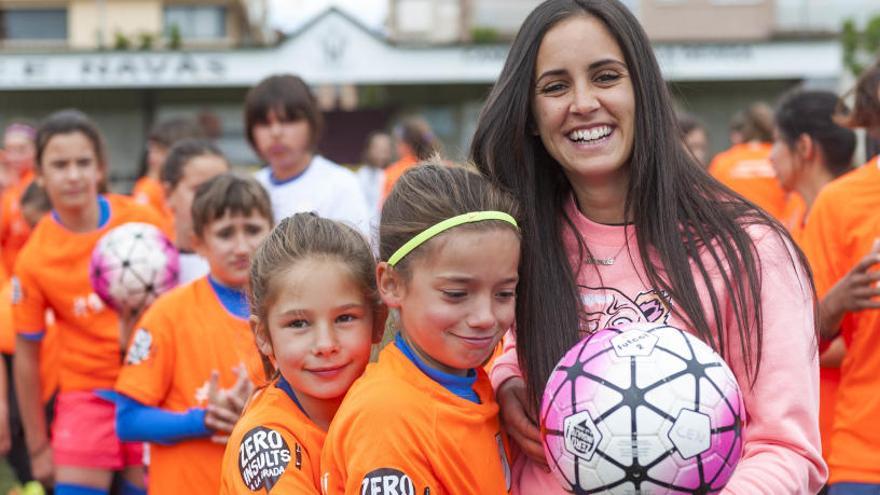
(840, 230)
(52, 272)
(746, 169)
(274, 446)
(148, 191)
(184, 336)
(395, 170)
(14, 230)
(829, 378)
(398, 427)
(48, 346)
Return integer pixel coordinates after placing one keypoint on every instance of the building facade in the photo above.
(130, 24)
(437, 58)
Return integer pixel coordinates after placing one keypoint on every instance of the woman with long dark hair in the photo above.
(616, 214)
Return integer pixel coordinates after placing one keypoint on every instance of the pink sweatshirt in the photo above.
(781, 446)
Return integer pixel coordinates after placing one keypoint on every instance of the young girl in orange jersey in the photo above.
(424, 418)
(314, 312)
(194, 340)
(51, 272)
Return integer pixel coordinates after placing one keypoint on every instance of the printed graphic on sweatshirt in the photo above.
(606, 307)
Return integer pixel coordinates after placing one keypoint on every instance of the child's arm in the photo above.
(245, 471)
(26, 370)
(137, 422)
(29, 319)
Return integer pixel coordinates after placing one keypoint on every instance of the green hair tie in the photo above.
(438, 228)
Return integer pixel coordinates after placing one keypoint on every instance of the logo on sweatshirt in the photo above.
(387, 481)
(262, 458)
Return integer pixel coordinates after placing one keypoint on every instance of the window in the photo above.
(196, 22)
(33, 24)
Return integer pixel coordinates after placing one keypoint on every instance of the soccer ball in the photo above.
(132, 265)
(645, 410)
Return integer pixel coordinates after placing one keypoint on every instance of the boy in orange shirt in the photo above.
(194, 340)
(51, 272)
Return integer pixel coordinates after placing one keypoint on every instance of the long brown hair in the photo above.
(677, 210)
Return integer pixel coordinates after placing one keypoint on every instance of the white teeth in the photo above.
(590, 134)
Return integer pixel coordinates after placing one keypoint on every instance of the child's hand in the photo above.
(225, 405)
(239, 394)
(518, 422)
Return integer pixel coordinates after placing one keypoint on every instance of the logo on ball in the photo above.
(581, 435)
(634, 343)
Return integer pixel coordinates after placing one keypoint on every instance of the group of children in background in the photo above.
(236, 378)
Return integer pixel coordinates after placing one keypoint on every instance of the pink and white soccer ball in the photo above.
(644, 410)
(132, 265)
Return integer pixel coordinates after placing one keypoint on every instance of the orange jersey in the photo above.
(52, 272)
(48, 346)
(746, 169)
(398, 428)
(150, 192)
(395, 170)
(14, 230)
(274, 446)
(184, 336)
(840, 230)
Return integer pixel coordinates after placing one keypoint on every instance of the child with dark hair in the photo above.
(283, 125)
(415, 142)
(52, 273)
(745, 167)
(189, 164)
(192, 361)
(840, 238)
(164, 134)
(809, 151)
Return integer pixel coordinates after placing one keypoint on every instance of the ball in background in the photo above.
(132, 265)
(643, 410)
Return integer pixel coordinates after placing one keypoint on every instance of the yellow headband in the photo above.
(438, 228)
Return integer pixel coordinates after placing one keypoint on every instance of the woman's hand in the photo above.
(519, 420)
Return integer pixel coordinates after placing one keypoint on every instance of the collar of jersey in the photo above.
(280, 182)
(287, 389)
(103, 212)
(233, 300)
(461, 386)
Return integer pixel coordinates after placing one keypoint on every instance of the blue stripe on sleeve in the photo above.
(136, 422)
(33, 336)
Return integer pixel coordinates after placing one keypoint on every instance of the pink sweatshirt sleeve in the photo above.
(781, 451)
(506, 365)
